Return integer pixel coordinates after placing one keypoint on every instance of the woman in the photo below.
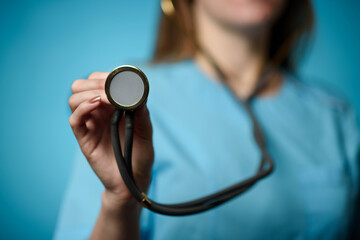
(199, 139)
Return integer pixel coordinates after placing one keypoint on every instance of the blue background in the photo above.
(46, 45)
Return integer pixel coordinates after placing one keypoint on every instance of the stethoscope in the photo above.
(127, 88)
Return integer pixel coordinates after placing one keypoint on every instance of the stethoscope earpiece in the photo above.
(127, 87)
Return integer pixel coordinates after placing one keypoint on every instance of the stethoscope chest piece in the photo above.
(127, 87)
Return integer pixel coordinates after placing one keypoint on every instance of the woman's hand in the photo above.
(90, 122)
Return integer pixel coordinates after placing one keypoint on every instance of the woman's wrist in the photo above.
(117, 219)
(112, 205)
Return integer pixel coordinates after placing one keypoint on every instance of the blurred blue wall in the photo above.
(46, 45)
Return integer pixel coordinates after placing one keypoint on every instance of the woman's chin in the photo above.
(253, 25)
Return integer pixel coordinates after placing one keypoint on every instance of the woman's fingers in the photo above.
(76, 99)
(81, 85)
(79, 116)
(96, 80)
(98, 75)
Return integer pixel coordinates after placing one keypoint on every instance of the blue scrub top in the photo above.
(203, 143)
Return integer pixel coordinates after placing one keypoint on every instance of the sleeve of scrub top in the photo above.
(82, 202)
(351, 140)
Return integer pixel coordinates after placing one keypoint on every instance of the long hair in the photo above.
(289, 33)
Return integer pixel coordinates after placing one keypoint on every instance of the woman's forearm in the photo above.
(117, 222)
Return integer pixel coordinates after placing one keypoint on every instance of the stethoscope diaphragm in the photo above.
(127, 87)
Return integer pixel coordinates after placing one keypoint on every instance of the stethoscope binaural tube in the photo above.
(127, 88)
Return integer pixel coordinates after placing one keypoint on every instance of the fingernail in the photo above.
(95, 99)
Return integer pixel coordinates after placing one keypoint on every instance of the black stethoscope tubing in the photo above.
(199, 205)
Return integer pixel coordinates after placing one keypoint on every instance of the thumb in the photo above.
(143, 127)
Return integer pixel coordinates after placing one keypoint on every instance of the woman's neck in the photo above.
(240, 53)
